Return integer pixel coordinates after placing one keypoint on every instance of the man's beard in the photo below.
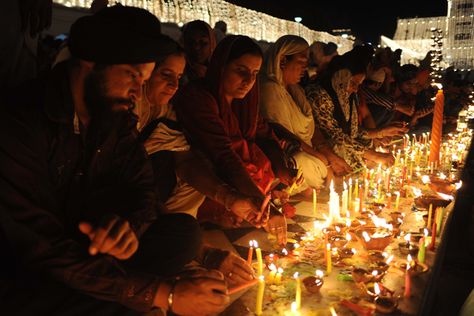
(103, 110)
(100, 107)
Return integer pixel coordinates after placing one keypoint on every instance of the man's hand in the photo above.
(204, 293)
(236, 270)
(113, 236)
(277, 226)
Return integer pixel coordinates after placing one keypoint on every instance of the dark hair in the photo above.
(170, 47)
(406, 72)
(195, 26)
(329, 49)
(242, 45)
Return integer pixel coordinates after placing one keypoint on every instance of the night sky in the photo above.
(367, 19)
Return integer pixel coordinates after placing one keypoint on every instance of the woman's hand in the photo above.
(339, 166)
(276, 225)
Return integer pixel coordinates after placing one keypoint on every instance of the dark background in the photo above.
(367, 19)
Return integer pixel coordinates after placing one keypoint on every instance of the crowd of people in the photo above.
(110, 160)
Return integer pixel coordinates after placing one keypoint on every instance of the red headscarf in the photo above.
(226, 133)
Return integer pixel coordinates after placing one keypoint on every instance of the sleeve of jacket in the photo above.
(198, 112)
(31, 218)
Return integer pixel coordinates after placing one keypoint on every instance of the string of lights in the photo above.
(257, 25)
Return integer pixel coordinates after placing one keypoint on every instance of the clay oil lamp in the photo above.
(344, 253)
(314, 283)
(416, 268)
(360, 275)
(374, 238)
(383, 303)
(424, 201)
(407, 247)
(338, 241)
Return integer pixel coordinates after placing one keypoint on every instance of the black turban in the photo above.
(117, 35)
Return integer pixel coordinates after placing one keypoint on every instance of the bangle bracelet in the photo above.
(171, 295)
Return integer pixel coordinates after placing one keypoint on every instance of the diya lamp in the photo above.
(408, 248)
(338, 241)
(314, 283)
(346, 252)
(360, 275)
(383, 303)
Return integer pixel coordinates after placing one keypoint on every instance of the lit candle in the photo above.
(407, 278)
(437, 127)
(397, 200)
(439, 218)
(298, 290)
(260, 292)
(315, 200)
(356, 189)
(278, 276)
(250, 254)
(422, 247)
(433, 235)
(272, 274)
(344, 199)
(349, 201)
(258, 252)
(328, 259)
(430, 211)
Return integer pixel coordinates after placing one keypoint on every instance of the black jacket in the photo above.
(52, 178)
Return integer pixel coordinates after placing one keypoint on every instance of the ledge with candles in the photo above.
(389, 241)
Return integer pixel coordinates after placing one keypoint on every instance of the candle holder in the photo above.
(378, 238)
(338, 241)
(442, 185)
(417, 269)
(424, 201)
(313, 284)
(415, 237)
(396, 216)
(408, 249)
(385, 304)
(345, 253)
(375, 256)
(380, 266)
(360, 275)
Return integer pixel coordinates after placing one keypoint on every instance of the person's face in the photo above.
(355, 82)
(294, 66)
(410, 86)
(239, 76)
(198, 47)
(164, 80)
(115, 88)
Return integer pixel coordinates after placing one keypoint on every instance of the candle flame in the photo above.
(366, 236)
(285, 252)
(425, 232)
(272, 267)
(407, 237)
(348, 222)
(409, 258)
(296, 275)
(389, 259)
(375, 273)
(319, 273)
(345, 185)
(328, 247)
(331, 186)
(262, 278)
(384, 254)
(338, 229)
(296, 246)
(350, 181)
(446, 196)
(354, 251)
(294, 307)
(348, 237)
(458, 185)
(416, 192)
(280, 270)
(376, 289)
(255, 244)
(425, 179)
(251, 243)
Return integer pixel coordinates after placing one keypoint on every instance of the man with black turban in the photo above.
(76, 187)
